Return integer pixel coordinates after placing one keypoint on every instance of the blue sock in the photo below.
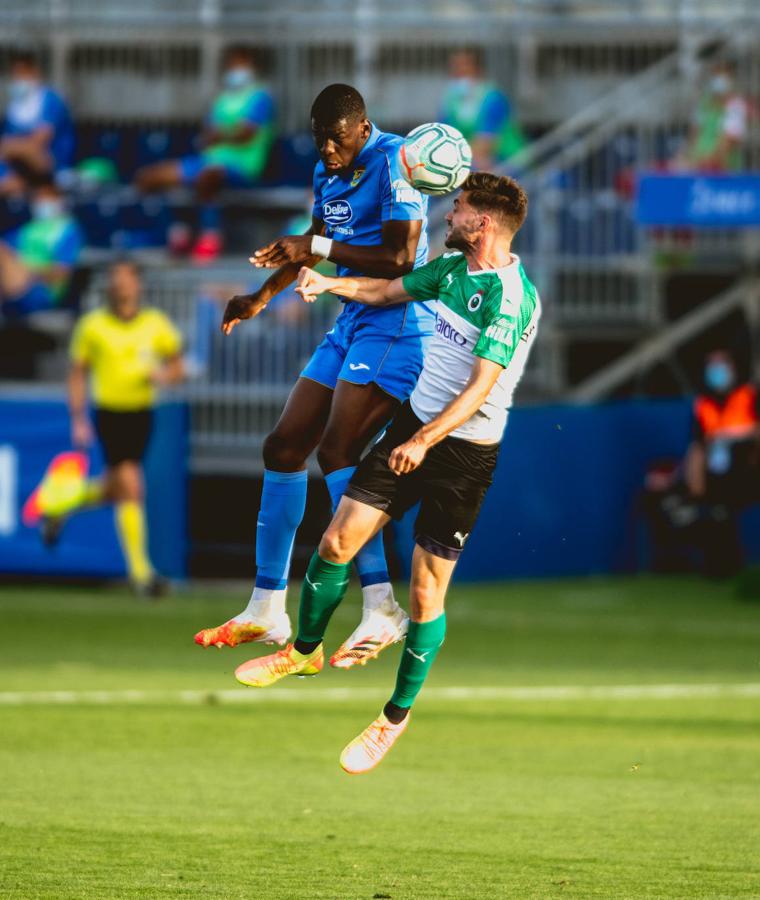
(283, 501)
(370, 560)
(210, 217)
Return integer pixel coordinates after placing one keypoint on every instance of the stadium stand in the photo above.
(605, 91)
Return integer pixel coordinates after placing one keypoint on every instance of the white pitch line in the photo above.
(337, 695)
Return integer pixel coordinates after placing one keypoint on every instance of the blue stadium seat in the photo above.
(291, 161)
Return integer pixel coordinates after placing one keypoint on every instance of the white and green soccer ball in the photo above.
(435, 158)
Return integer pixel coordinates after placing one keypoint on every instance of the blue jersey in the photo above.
(354, 208)
(43, 107)
(384, 345)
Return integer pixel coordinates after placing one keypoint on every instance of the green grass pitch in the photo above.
(151, 773)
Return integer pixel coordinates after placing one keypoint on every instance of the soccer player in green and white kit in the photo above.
(440, 449)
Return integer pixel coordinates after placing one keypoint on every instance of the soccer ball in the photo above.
(435, 158)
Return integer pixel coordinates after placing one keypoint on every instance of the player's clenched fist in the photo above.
(407, 456)
(311, 284)
(291, 249)
(241, 307)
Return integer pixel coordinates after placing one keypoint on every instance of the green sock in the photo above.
(420, 650)
(323, 588)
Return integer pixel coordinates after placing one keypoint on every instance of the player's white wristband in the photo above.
(321, 246)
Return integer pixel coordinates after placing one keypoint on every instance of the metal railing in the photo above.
(745, 296)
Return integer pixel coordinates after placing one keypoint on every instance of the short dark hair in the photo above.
(336, 102)
(497, 194)
(34, 179)
(239, 51)
(25, 57)
(129, 261)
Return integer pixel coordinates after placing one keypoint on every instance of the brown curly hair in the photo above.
(499, 195)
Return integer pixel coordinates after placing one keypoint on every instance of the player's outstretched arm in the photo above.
(409, 455)
(247, 306)
(393, 257)
(371, 291)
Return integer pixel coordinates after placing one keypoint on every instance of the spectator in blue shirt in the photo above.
(37, 260)
(36, 134)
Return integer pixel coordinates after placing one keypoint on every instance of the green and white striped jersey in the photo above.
(492, 313)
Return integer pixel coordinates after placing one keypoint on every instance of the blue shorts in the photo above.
(384, 346)
(190, 168)
(35, 298)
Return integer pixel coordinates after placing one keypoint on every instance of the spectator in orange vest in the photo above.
(721, 465)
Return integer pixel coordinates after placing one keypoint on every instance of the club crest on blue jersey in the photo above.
(356, 177)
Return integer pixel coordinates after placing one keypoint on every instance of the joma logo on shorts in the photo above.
(447, 330)
(337, 213)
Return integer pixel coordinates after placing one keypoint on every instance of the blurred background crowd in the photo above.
(178, 134)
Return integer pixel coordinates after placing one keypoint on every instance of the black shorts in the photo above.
(450, 485)
(123, 435)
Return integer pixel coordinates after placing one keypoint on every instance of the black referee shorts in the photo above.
(123, 435)
(450, 485)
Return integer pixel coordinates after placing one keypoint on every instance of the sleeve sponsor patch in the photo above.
(405, 193)
(501, 331)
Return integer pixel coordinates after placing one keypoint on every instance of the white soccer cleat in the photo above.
(379, 628)
(268, 630)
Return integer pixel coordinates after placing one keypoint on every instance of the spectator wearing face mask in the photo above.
(721, 466)
(719, 127)
(480, 111)
(37, 260)
(37, 134)
(236, 142)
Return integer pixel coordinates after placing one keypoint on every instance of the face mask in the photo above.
(720, 84)
(237, 78)
(718, 377)
(461, 85)
(21, 88)
(47, 209)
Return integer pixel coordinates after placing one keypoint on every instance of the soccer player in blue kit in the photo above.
(368, 221)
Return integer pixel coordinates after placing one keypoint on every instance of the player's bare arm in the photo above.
(237, 135)
(372, 291)
(393, 257)
(409, 455)
(247, 306)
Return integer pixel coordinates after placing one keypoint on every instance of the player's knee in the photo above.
(129, 482)
(332, 457)
(334, 546)
(281, 454)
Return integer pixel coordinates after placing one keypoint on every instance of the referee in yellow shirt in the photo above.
(123, 353)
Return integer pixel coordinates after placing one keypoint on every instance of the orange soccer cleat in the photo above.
(234, 632)
(267, 670)
(370, 747)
